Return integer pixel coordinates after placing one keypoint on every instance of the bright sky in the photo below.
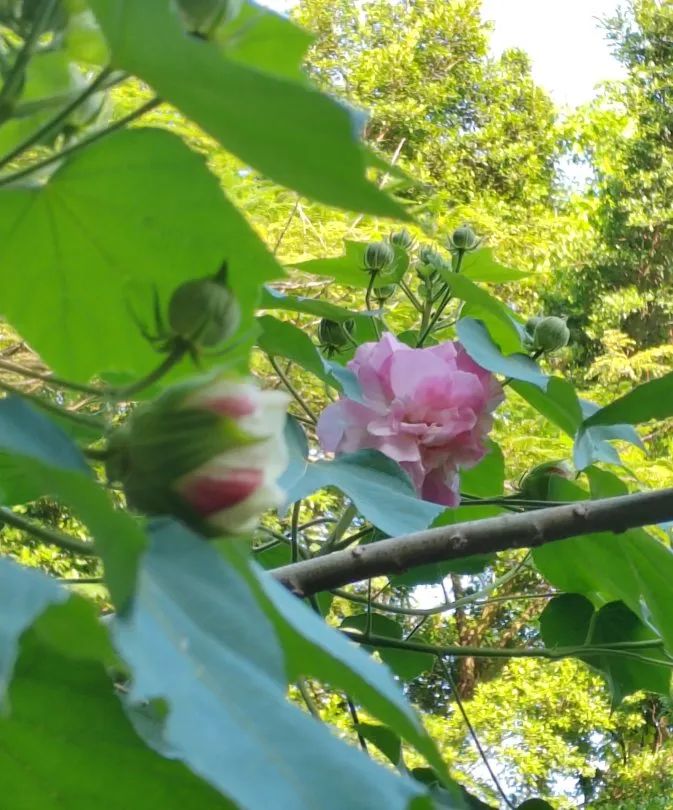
(562, 37)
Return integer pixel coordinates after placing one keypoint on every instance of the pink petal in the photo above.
(209, 494)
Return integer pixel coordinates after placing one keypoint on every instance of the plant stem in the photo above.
(368, 301)
(302, 686)
(356, 722)
(442, 305)
(340, 528)
(473, 733)
(48, 536)
(48, 378)
(297, 396)
(286, 227)
(16, 74)
(624, 649)
(95, 136)
(54, 122)
(407, 291)
(294, 531)
(51, 407)
(161, 370)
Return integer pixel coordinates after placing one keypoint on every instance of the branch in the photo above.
(525, 530)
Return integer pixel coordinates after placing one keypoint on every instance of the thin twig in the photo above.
(297, 396)
(45, 535)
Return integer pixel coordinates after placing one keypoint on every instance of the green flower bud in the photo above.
(384, 292)
(531, 323)
(550, 334)
(535, 484)
(464, 238)
(335, 335)
(378, 255)
(402, 239)
(202, 16)
(429, 256)
(203, 310)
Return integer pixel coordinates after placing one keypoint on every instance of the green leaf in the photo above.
(136, 211)
(284, 339)
(41, 458)
(652, 400)
(632, 567)
(349, 269)
(24, 594)
(406, 664)
(501, 326)
(313, 649)
(198, 640)
(62, 693)
(479, 265)
(377, 485)
(434, 573)
(283, 128)
(592, 442)
(273, 299)
(297, 445)
(388, 743)
(487, 479)
(479, 345)
(559, 403)
(570, 620)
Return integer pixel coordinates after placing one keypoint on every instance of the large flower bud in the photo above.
(335, 335)
(208, 452)
(378, 255)
(401, 238)
(536, 483)
(464, 238)
(550, 334)
(204, 311)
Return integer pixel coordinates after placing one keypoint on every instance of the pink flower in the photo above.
(428, 409)
(208, 452)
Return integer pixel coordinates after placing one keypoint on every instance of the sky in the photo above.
(562, 37)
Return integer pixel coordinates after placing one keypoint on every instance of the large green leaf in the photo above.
(24, 595)
(632, 567)
(487, 479)
(134, 211)
(652, 400)
(283, 339)
(65, 741)
(480, 346)
(559, 403)
(501, 326)
(479, 265)
(349, 269)
(291, 132)
(38, 459)
(592, 442)
(198, 640)
(377, 485)
(320, 307)
(570, 620)
(313, 649)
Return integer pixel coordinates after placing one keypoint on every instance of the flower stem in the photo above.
(54, 122)
(294, 530)
(48, 378)
(51, 407)
(95, 136)
(297, 396)
(368, 302)
(16, 74)
(448, 295)
(48, 536)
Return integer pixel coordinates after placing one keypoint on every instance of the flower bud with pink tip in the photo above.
(208, 452)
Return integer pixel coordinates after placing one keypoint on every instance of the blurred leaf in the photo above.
(487, 479)
(82, 250)
(297, 445)
(388, 743)
(479, 265)
(284, 339)
(197, 638)
(43, 461)
(281, 127)
(478, 344)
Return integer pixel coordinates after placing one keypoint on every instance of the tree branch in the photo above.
(525, 530)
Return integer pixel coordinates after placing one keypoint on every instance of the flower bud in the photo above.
(334, 335)
(464, 238)
(384, 292)
(202, 16)
(402, 239)
(378, 255)
(531, 323)
(208, 452)
(534, 485)
(204, 311)
(550, 334)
